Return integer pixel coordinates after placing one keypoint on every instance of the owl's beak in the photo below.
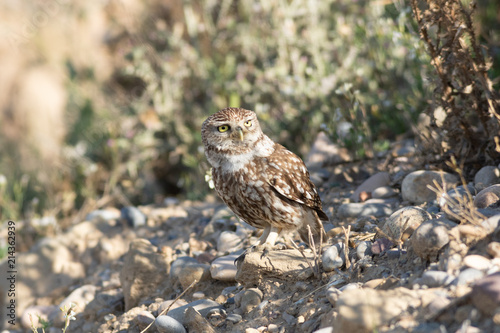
(240, 133)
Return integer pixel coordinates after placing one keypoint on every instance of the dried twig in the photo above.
(346, 243)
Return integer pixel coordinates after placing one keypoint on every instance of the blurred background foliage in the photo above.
(117, 91)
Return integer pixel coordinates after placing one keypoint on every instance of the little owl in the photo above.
(261, 181)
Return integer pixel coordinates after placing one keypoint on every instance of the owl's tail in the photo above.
(316, 226)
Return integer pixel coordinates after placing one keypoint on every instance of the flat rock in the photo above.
(364, 209)
(167, 324)
(377, 180)
(203, 306)
(414, 186)
(223, 268)
(287, 265)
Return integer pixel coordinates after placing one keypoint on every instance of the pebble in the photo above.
(332, 295)
(179, 264)
(165, 304)
(434, 279)
(104, 214)
(402, 223)
(486, 293)
(381, 245)
(384, 192)
(198, 295)
(229, 241)
(491, 224)
(364, 249)
(468, 276)
(494, 249)
(223, 268)
(375, 181)
(478, 262)
(487, 197)
(429, 239)
(364, 210)
(248, 299)
(272, 328)
(133, 216)
(486, 176)
(203, 306)
(167, 324)
(333, 257)
(290, 320)
(234, 318)
(144, 318)
(414, 187)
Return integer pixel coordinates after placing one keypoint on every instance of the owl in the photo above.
(262, 182)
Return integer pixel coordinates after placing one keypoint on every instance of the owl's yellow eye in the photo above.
(248, 123)
(223, 128)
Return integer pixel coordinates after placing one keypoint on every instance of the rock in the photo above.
(133, 216)
(469, 275)
(428, 240)
(384, 192)
(197, 322)
(170, 303)
(494, 249)
(488, 197)
(248, 299)
(167, 324)
(144, 319)
(179, 264)
(190, 273)
(377, 180)
(414, 187)
(203, 306)
(143, 270)
(229, 241)
(402, 223)
(486, 293)
(364, 249)
(381, 245)
(234, 318)
(103, 214)
(332, 295)
(478, 262)
(434, 279)
(491, 224)
(333, 257)
(224, 268)
(360, 310)
(364, 209)
(287, 265)
(487, 176)
(272, 328)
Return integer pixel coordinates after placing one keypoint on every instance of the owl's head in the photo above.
(231, 129)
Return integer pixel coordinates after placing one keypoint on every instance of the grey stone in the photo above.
(486, 293)
(468, 276)
(229, 241)
(333, 257)
(486, 176)
(133, 216)
(168, 324)
(433, 279)
(375, 181)
(429, 238)
(203, 306)
(414, 187)
(488, 197)
(364, 209)
(384, 192)
(179, 264)
(234, 318)
(364, 249)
